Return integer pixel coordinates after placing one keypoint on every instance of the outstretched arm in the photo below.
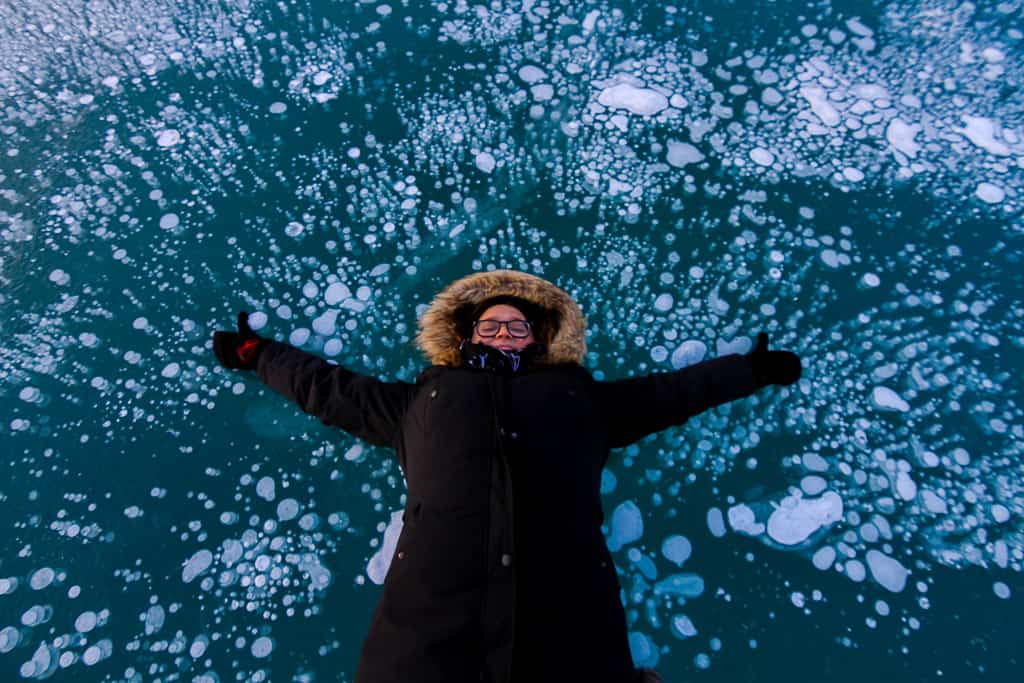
(363, 406)
(633, 408)
(636, 407)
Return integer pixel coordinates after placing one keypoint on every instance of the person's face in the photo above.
(503, 340)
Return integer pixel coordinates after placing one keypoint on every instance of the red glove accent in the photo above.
(248, 349)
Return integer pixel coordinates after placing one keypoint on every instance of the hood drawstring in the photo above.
(490, 359)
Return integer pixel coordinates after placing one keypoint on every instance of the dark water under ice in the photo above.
(846, 176)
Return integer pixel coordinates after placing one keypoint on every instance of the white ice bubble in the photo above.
(266, 489)
(771, 97)
(854, 175)
(822, 108)
(982, 132)
(900, 136)
(933, 503)
(325, 324)
(198, 647)
(92, 655)
(531, 73)
(999, 513)
(542, 92)
(716, 522)
(336, 292)
(231, 551)
(676, 549)
(664, 303)
(627, 96)
(196, 565)
(855, 570)
(688, 353)
(485, 162)
(682, 626)
(870, 280)
(298, 336)
(168, 138)
(171, 370)
(812, 484)
(333, 347)
(262, 647)
(814, 462)
(824, 557)
(795, 519)
(9, 639)
(59, 277)
(887, 571)
(257, 320)
(41, 578)
(904, 486)
(278, 107)
(682, 153)
(380, 562)
(154, 619)
(762, 157)
(887, 399)
(741, 518)
(85, 622)
(294, 229)
(627, 525)
(169, 221)
(740, 344)
(1001, 590)
(287, 509)
(989, 193)
(685, 585)
(35, 615)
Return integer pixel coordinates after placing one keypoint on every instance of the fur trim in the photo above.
(565, 333)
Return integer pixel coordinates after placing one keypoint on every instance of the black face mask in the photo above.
(490, 359)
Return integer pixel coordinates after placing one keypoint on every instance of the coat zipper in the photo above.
(497, 406)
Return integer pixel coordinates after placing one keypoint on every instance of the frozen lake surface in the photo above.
(848, 178)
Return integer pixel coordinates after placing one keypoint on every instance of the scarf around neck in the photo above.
(490, 359)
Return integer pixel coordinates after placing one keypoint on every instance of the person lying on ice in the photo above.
(501, 573)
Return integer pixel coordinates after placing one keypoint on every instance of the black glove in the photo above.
(773, 367)
(238, 350)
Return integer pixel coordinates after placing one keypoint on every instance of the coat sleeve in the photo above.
(363, 406)
(636, 407)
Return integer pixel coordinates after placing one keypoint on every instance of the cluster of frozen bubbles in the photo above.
(685, 188)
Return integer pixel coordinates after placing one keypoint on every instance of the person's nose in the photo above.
(503, 331)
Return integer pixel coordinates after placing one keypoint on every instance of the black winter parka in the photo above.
(501, 572)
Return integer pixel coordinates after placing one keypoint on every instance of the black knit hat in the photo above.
(534, 313)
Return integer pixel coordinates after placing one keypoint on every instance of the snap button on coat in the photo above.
(506, 560)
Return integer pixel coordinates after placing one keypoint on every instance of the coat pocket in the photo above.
(443, 552)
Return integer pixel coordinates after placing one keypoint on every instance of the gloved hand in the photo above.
(773, 367)
(238, 350)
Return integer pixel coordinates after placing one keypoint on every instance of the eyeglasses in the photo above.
(490, 328)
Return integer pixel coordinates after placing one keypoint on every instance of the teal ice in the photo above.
(847, 176)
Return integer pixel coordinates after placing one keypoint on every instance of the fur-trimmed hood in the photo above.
(564, 331)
